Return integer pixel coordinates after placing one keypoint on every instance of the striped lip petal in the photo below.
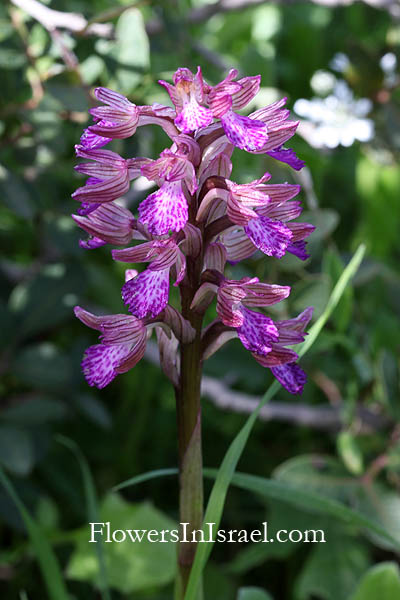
(112, 98)
(249, 87)
(104, 191)
(229, 301)
(125, 330)
(264, 294)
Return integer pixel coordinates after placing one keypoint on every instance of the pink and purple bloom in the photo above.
(197, 218)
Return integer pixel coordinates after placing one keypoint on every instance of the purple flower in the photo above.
(123, 342)
(187, 94)
(109, 224)
(147, 293)
(195, 221)
(281, 360)
(244, 132)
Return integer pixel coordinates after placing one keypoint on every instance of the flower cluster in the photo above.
(197, 220)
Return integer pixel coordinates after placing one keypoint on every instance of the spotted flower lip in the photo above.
(123, 342)
(281, 360)
(194, 222)
(148, 292)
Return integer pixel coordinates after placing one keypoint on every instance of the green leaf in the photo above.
(16, 450)
(92, 511)
(308, 501)
(91, 68)
(145, 477)
(46, 300)
(332, 569)
(217, 497)
(130, 566)
(94, 409)
(383, 506)
(42, 366)
(350, 452)
(253, 593)
(317, 473)
(47, 559)
(34, 411)
(381, 581)
(333, 266)
(131, 51)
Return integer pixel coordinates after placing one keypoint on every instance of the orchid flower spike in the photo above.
(194, 222)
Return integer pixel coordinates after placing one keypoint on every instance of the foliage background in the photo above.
(348, 450)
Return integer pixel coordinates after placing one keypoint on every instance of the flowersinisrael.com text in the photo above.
(105, 533)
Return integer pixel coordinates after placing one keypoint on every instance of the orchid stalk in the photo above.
(196, 221)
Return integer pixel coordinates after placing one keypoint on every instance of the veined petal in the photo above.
(105, 191)
(165, 210)
(278, 136)
(279, 355)
(100, 363)
(173, 93)
(282, 212)
(116, 130)
(257, 332)
(229, 304)
(249, 87)
(238, 245)
(88, 318)
(239, 213)
(91, 140)
(147, 294)
(215, 257)
(300, 230)
(269, 111)
(136, 254)
(124, 330)
(204, 296)
(136, 354)
(110, 223)
(181, 328)
(271, 237)
(112, 98)
(279, 193)
(243, 132)
(264, 294)
(291, 377)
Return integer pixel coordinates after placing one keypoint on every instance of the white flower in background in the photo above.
(388, 64)
(338, 119)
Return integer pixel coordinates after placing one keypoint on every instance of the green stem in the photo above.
(188, 408)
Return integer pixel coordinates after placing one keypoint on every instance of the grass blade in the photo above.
(309, 501)
(219, 491)
(92, 510)
(47, 559)
(145, 477)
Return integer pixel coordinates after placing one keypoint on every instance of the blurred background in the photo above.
(337, 62)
